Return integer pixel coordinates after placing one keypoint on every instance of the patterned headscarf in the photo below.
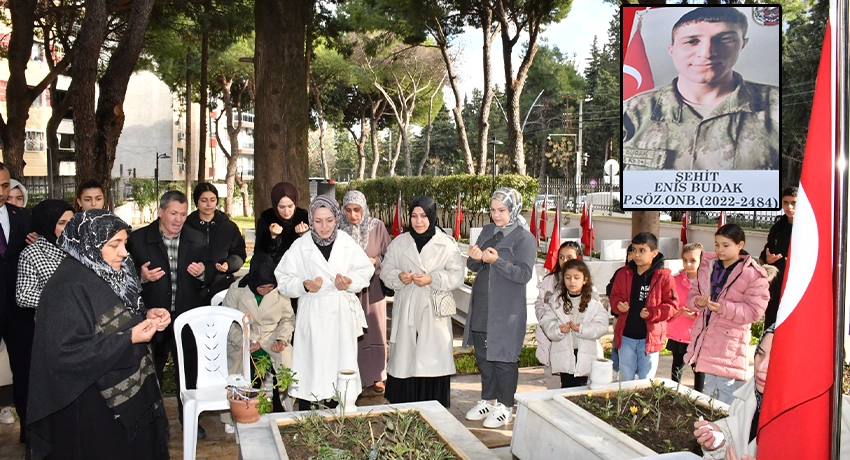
(83, 239)
(512, 200)
(323, 201)
(359, 232)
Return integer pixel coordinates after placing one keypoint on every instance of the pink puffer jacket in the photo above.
(720, 346)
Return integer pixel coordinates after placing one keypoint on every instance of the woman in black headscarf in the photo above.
(279, 226)
(93, 389)
(40, 259)
(417, 263)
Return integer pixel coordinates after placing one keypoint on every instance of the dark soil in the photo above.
(676, 424)
(402, 435)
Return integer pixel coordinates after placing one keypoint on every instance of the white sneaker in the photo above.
(480, 411)
(7, 416)
(500, 416)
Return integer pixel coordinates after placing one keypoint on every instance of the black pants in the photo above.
(498, 379)
(17, 327)
(164, 345)
(570, 380)
(303, 404)
(699, 381)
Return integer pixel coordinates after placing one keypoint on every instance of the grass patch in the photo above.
(465, 363)
(243, 222)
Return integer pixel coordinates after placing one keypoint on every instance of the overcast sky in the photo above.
(573, 35)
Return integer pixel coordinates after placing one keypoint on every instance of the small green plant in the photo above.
(756, 329)
(264, 367)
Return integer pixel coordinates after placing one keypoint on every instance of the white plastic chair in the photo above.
(210, 326)
(218, 298)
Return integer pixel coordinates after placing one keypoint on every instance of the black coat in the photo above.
(146, 246)
(224, 242)
(778, 241)
(20, 226)
(277, 247)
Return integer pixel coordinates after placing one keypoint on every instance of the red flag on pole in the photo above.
(721, 220)
(533, 228)
(554, 242)
(587, 234)
(795, 419)
(637, 74)
(683, 234)
(543, 215)
(458, 219)
(397, 228)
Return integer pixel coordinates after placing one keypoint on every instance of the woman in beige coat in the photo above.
(416, 264)
(273, 318)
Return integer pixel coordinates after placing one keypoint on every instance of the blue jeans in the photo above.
(634, 360)
(721, 388)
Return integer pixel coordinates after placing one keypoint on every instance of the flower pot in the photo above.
(601, 373)
(348, 389)
(243, 409)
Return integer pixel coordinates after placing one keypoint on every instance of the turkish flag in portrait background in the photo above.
(796, 411)
(637, 74)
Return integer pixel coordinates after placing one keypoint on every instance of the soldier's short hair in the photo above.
(710, 14)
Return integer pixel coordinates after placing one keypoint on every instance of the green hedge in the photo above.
(474, 192)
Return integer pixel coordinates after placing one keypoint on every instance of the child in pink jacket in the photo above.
(730, 294)
(680, 324)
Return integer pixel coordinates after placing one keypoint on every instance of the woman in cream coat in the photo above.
(324, 269)
(417, 263)
(273, 316)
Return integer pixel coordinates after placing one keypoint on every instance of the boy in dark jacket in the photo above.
(775, 251)
(643, 298)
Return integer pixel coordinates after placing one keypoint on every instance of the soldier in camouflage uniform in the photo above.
(709, 117)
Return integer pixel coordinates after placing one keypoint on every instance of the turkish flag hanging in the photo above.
(397, 228)
(721, 221)
(533, 228)
(795, 420)
(587, 234)
(543, 216)
(458, 219)
(555, 241)
(637, 74)
(683, 234)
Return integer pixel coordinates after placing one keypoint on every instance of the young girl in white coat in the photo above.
(574, 322)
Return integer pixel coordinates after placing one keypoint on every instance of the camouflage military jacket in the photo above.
(661, 131)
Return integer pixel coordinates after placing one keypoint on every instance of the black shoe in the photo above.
(201, 432)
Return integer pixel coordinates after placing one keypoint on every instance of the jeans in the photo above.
(498, 379)
(634, 360)
(721, 388)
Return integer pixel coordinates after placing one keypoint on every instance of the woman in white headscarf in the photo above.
(504, 263)
(371, 234)
(324, 269)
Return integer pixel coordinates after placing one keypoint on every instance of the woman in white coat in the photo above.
(324, 269)
(417, 263)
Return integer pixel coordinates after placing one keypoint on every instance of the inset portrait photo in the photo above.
(701, 107)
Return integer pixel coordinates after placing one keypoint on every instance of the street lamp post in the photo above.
(159, 156)
(494, 143)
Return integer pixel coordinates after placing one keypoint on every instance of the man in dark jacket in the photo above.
(168, 257)
(16, 324)
(775, 251)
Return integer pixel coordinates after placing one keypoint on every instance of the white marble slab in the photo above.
(548, 426)
(257, 440)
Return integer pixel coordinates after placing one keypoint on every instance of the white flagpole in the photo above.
(839, 24)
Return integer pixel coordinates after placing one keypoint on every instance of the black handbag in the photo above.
(387, 291)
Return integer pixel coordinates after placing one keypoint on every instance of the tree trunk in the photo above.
(361, 146)
(203, 112)
(282, 113)
(112, 86)
(18, 95)
(429, 128)
(457, 110)
(82, 88)
(188, 163)
(486, 18)
(376, 153)
(58, 110)
(320, 117)
(646, 221)
(394, 157)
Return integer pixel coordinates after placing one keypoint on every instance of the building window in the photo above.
(66, 141)
(35, 141)
(245, 163)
